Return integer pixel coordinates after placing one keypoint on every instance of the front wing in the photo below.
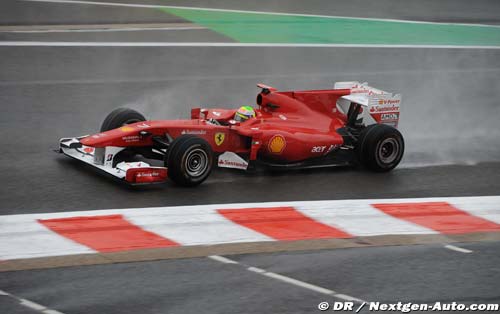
(103, 159)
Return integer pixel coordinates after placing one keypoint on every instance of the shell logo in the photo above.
(277, 144)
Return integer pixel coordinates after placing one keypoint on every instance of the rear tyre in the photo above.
(120, 117)
(380, 147)
(189, 160)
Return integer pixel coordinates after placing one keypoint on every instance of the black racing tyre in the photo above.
(120, 117)
(189, 160)
(380, 147)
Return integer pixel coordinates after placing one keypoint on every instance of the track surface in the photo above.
(56, 92)
(419, 274)
(450, 115)
(15, 12)
(447, 11)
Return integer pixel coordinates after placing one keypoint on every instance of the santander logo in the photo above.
(386, 105)
(384, 109)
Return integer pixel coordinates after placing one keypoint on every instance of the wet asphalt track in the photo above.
(418, 274)
(450, 115)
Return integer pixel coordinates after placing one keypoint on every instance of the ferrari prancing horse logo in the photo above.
(219, 138)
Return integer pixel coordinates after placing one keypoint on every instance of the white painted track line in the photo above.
(288, 280)
(299, 283)
(98, 30)
(457, 249)
(256, 269)
(30, 304)
(226, 44)
(50, 311)
(222, 259)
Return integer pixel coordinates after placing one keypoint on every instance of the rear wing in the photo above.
(378, 106)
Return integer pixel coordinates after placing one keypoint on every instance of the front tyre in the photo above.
(380, 147)
(120, 117)
(189, 160)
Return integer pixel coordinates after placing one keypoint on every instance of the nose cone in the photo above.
(115, 137)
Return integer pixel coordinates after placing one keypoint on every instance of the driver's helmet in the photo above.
(244, 113)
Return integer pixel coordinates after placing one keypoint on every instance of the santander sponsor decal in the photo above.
(384, 109)
(232, 164)
(232, 160)
(386, 105)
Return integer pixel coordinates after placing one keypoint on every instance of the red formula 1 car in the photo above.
(352, 124)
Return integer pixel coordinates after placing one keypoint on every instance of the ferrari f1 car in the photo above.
(351, 124)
